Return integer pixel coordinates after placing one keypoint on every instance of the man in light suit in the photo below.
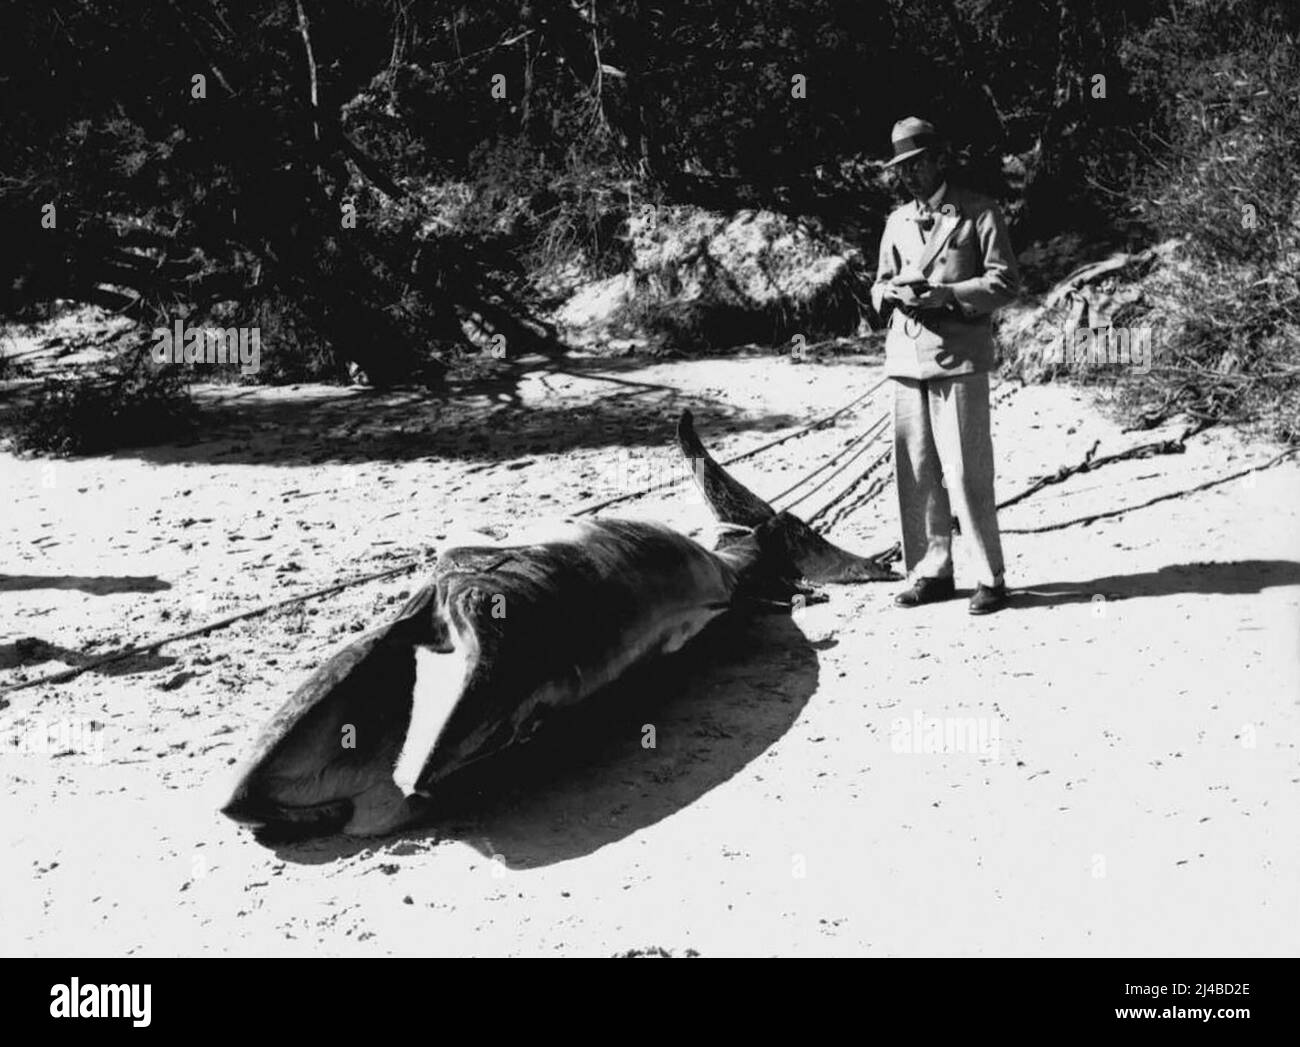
(945, 265)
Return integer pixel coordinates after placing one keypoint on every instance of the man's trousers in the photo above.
(943, 463)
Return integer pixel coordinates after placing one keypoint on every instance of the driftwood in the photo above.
(1094, 271)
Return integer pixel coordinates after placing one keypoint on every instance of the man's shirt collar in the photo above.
(924, 207)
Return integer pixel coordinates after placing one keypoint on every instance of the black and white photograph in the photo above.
(606, 479)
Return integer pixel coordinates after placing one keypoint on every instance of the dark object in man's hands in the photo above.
(908, 288)
(936, 298)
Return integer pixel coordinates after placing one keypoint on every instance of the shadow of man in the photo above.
(1226, 579)
(98, 585)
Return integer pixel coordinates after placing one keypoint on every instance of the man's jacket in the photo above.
(967, 248)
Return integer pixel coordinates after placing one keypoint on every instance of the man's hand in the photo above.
(896, 293)
(935, 296)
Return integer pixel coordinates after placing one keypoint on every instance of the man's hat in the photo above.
(912, 136)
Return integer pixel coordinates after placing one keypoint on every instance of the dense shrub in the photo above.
(105, 410)
(1227, 187)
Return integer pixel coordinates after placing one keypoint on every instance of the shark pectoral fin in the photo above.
(440, 679)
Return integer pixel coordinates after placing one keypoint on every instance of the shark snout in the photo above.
(359, 800)
(259, 805)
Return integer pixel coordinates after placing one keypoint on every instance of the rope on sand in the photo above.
(1085, 520)
(753, 452)
(870, 434)
(877, 486)
(153, 645)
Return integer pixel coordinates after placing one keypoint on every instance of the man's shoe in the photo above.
(988, 598)
(926, 590)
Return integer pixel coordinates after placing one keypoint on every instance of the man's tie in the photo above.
(925, 222)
